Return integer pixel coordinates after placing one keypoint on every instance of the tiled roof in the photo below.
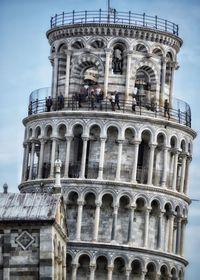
(27, 207)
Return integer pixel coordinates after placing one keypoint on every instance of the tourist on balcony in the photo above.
(60, 101)
(117, 99)
(48, 104)
(166, 109)
(112, 101)
(99, 96)
(134, 103)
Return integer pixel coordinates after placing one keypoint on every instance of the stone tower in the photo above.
(124, 141)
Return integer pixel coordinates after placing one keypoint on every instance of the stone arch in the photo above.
(151, 269)
(142, 196)
(108, 192)
(78, 43)
(119, 40)
(37, 131)
(139, 259)
(150, 131)
(119, 268)
(157, 50)
(115, 125)
(86, 60)
(171, 53)
(142, 48)
(69, 260)
(62, 47)
(98, 42)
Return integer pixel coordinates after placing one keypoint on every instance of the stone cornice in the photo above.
(115, 30)
(109, 115)
(34, 185)
(125, 248)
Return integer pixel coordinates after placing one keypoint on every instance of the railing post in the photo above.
(156, 22)
(55, 19)
(114, 15)
(177, 28)
(51, 22)
(179, 115)
(165, 25)
(73, 16)
(99, 15)
(143, 19)
(63, 15)
(85, 16)
(129, 17)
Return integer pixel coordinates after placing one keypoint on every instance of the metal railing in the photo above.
(180, 114)
(114, 17)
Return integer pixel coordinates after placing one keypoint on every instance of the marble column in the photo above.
(163, 75)
(68, 58)
(101, 158)
(55, 76)
(171, 229)
(183, 167)
(151, 161)
(160, 233)
(131, 225)
(135, 161)
(128, 272)
(79, 220)
(83, 158)
(188, 160)
(173, 67)
(107, 65)
(67, 155)
(26, 159)
(74, 270)
(178, 235)
(128, 72)
(183, 228)
(110, 272)
(165, 165)
(92, 271)
(146, 227)
(114, 225)
(53, 155)
(41, 158)
(96, 221)
(175, 166)
(119, 159)
(32, 160)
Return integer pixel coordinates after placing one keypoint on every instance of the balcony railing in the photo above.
(180, 112)
(114, 17)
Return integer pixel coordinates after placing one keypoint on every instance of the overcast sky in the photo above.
(24, 67)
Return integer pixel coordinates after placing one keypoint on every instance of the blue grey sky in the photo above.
(24, 67)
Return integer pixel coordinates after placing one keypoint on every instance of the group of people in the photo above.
(92, 94)
(114, 100)
(58, 103)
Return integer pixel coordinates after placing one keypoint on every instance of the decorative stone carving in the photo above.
(24, 240)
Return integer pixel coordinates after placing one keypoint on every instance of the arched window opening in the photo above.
(111, 153)
(84, 267)
(47, 152)
(119, 269)
(139, 224)
(143, 158)
(164, 275)
(157, 52)
(72, 212)
(145, 88)
(101, 268)
(93, 152)
(123, 220)
(76, 152)
(151, 272)
(106, 219)
(168, 75)
(69, 267)
(158, 161)
(128, 155)
(88, 216)
(154, 226)
(136, 270)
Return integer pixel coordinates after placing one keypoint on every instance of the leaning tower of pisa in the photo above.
(124, 140)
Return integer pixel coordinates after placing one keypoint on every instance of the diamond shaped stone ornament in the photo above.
(24, 240)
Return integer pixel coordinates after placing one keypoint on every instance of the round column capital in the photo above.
(80, 202)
